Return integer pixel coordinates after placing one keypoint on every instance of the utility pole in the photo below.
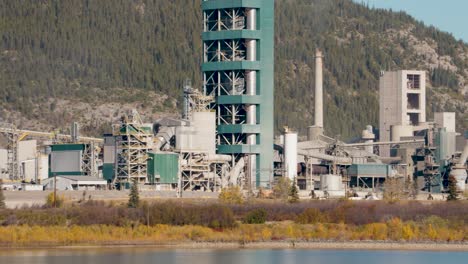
(55, 190)
(179, 182)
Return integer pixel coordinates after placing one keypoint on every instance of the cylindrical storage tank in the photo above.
(399, 131)
(290, 154)
(460, 175)
(368, 137)
(330, 182)
(459, 170)
(281, 139)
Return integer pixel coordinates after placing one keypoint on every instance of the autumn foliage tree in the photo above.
(231, 195)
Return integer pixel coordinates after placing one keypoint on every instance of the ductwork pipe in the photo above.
(317, 155)
(217, 158)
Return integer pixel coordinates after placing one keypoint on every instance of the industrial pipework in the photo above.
(459, 169)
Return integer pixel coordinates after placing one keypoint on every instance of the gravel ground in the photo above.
(15, 199)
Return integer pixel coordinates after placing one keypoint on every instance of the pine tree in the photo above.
(452, 186)
(293, 193)
(134, 196)
(2, 197)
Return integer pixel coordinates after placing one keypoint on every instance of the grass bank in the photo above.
(392, 231)
(253, 223)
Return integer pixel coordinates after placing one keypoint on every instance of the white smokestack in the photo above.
(318, 89)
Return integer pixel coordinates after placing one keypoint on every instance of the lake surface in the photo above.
(244, 256)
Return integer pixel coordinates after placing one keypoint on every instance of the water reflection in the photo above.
(205, 256)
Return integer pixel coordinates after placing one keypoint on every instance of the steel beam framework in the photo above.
(238, 67)
(132, 146)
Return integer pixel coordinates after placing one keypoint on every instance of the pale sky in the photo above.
(446, 15)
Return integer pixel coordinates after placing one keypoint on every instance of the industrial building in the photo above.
(225, 134)
(238, 70)
(402, 99)
(74, 183)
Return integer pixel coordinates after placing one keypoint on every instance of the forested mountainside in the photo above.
(88, 61)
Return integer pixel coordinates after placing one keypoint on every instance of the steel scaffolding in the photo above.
(238, 70)
(133, 143)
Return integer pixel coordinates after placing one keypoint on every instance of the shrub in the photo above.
(169, 213)
(257, 216)
(311, 216)
(281, 189)
(261, 193)
(393, 190)
(53, 200)
(231, 195)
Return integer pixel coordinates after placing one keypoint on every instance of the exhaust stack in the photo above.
(317, 129)
(318, 89)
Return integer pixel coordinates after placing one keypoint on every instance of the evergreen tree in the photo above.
(452, 188)
(52, 50)
(2, 197)
(134, 196)
(293, 193)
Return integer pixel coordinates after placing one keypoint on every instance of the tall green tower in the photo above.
(238, 66)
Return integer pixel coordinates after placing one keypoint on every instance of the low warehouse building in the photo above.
(75, 183)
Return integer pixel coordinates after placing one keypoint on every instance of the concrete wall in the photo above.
(28, 169)
(445, 120)
(205, 131)
(27, 150)
(3, 158)
(43, 163)
(3, 163)
(393, 100)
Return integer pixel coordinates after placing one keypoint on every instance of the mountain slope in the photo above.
(90, 60)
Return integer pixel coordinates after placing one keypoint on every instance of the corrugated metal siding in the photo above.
(108, 171)
(163, 166)
(364, 170)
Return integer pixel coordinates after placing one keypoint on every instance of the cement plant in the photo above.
(225, 134)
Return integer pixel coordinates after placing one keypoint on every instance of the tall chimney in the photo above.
(318, 89)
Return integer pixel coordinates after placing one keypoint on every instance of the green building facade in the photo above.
(238, 69)
(163, 168)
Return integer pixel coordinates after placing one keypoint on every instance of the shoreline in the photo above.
(312, 245)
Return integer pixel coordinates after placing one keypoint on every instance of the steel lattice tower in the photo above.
(238, 68)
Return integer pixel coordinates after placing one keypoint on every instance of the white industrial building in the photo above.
(75, 183)
(3, 164)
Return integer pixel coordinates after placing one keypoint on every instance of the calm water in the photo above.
(154, 256)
